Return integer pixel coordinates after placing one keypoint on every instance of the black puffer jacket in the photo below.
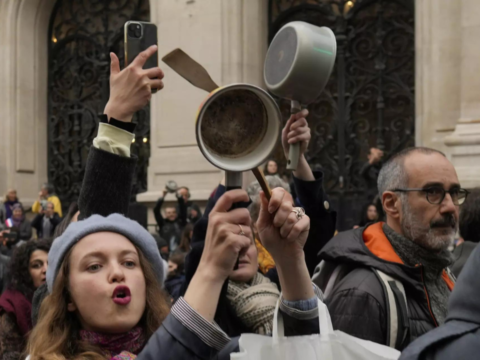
(357, 303)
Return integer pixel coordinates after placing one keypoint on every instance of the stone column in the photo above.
(229, 38)
(464, 142)
(437, 71)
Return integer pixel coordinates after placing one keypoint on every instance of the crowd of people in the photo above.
(95, 284)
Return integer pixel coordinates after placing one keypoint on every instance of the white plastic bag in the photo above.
(329, 345)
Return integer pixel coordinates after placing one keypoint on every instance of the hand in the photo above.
(223, 244)
(165, 192)
(375, 156)
(40, 196)
(279, 230)
(131, 88)
(296, 130)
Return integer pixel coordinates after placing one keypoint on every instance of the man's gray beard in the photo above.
(436, 239)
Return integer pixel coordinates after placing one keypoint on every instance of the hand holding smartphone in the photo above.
(131, 88)
(139, 36)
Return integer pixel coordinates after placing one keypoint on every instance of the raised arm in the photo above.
(309, 190)
(110, 169)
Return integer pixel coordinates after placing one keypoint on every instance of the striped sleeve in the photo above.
(209, 333)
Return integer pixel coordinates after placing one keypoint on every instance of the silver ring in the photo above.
(241, 230)
(299, 212)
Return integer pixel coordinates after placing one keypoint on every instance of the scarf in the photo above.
(8, 208)
(117, 346)
(433, 266)
(15, 303)
(254, 303)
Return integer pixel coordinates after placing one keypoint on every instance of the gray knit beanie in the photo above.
(115, 223)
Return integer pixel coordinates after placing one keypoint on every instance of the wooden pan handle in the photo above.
(263, 182)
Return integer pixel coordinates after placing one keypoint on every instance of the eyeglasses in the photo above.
(435, 194)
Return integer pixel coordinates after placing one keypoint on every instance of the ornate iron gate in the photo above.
(369, 100)
(81, 36)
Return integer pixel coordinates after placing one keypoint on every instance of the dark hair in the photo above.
(20, 279)
(186, 188)
(186, 239)
(60, 229)
(49, 187)
(265, 169)
(364, 220)
(179, 259)
(469, 223)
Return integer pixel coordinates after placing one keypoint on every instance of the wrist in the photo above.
(209, 275)
(113, 110)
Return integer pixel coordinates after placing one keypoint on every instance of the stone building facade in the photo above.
(230, 38)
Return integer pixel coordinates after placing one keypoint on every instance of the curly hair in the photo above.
(20, 279)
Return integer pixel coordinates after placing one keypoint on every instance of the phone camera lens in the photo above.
(138, 33)
(138, 26)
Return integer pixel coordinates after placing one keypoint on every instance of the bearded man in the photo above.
(420, 195)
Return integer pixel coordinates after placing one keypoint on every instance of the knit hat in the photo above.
(115, 223)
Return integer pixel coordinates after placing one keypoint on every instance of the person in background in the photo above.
(176, 275)
(369, 172)
(421, 196)
(7, 205)
(193, 210)
(27, 272)
(185, 243)
(47, 193)
(171, 226)
(271, 168)
(369, 215)
(162, 245)
(46, 222)
(18, 225)
(469, 226)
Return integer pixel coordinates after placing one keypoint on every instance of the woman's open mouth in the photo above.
(122, 295)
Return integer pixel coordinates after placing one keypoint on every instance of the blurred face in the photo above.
(272, 167)
(431, 226)
(247, 265)
(171, 213)
(44, 192)
(106, 283)
(171, 267)
(37, 267)
(49, 210)
(12, 195)
(17, 213)
(184, 193)
(372, 213)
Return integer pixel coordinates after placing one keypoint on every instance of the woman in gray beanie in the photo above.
(104, 279)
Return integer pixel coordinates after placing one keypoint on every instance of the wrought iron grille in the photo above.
(81, 36)
(369, 100)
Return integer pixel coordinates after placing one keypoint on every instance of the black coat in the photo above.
(37, 223)
(459, 337)
(171, 230)
(357, 303)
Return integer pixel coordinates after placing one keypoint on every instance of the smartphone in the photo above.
(139, 36)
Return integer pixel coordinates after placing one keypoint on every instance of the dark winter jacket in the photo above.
(37, 223)
(171, 230)
(191, 206)
(173, 286)
(459, 337)
(462, 253)
(357, 303)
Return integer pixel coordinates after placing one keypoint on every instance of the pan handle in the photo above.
(294, 152)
